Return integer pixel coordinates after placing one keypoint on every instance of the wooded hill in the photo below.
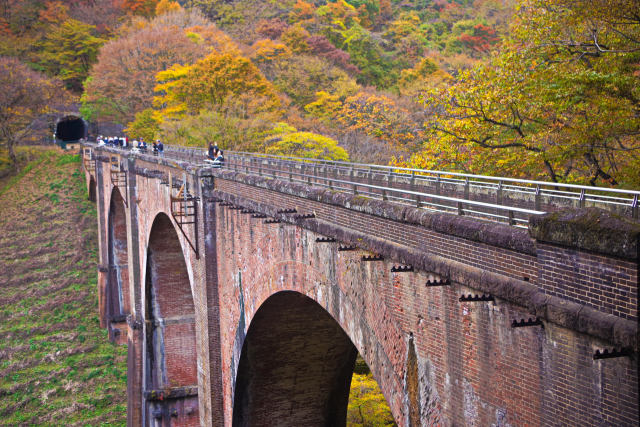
(527, 88)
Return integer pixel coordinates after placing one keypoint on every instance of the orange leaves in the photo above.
(54, 12)
(145, 8)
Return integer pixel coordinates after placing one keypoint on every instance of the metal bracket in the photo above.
(476, 298)
(325, 239)
(305, 216)
(445, 282)
(401, 268)
(531, 322)
(118, 176)
(372, 258)
(184, 210)
(606, 354)
(287, 211)
(344, 248)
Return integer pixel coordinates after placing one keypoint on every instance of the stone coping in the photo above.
(494, 234)
(577, 317)
(590, 229)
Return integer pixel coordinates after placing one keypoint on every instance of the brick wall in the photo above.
(473, 368)
(491, 258)
(436, 359)
(605, 283)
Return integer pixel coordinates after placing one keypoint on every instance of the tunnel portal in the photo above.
(71, 128)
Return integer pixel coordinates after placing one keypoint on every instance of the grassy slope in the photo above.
(57, 366)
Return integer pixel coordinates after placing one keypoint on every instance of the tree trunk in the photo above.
(12, 155)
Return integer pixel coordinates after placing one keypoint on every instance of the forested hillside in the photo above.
(544, 89)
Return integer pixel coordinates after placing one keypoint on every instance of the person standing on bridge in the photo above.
(213, 151)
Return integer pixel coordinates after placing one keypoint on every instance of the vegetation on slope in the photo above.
(57, 367)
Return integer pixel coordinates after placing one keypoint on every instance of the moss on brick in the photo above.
(591, 229)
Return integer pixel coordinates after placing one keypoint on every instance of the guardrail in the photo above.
(500, 199)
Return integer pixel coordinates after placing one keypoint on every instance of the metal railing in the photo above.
(501, 199)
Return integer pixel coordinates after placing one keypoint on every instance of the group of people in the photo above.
(214, 154)
(137, 145)
(113, 141)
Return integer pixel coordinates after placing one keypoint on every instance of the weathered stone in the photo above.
(591, 229)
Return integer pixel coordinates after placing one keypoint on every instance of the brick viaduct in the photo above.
(254, 314)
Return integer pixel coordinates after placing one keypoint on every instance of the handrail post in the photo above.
(466, 188)
(460, 208)
(537, 197)
(499, 194)
(438, 184)
(511, 218)
(634, 207)
(384, 194)
(581, 199)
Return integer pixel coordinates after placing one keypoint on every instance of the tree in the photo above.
(378, 116)
(144, 8)
(287, 141)
(230, 131)
(300, 77)
(121, 84)
(166, 6)
(220, 80)
(367, 405)
(69, 50)
(145, 125)
(560, 100)
(25, 95)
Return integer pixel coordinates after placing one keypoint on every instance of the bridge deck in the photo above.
(499, 199)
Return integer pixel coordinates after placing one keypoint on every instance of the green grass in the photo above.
(57, 366)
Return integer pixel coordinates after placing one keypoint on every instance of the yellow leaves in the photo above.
(220, 80)
(167, 6)
(267, 51)
(367, 405)
(326, 106)
(295, 37)
(287, 141)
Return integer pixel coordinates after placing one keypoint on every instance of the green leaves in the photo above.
(551, 104)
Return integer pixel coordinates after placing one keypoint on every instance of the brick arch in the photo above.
(170, 336)
(295, 366)
(92, 189)
(292, 261)
(118, 303)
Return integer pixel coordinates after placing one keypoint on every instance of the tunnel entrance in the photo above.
(70, 129)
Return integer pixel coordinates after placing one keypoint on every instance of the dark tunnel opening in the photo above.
(71, 128)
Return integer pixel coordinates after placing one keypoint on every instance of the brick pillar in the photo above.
(103, 252)
(134, 372)
(214, 368)
(103, 277)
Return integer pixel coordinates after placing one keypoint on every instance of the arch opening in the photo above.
(295, 366)
(118, 304)
(171, 382)
(71, 129)
(92, 190)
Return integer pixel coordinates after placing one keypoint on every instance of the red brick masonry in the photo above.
(262, 325)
